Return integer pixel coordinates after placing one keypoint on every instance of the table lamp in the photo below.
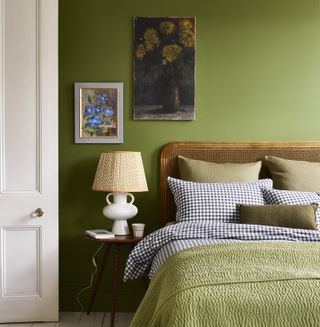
(120, 172)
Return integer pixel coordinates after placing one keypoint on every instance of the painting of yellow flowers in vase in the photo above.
(164, 68)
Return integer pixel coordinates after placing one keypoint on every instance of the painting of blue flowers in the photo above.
(98, 112)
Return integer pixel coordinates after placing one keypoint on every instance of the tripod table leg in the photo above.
(115, 282)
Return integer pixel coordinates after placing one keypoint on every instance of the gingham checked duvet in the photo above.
(140, 260)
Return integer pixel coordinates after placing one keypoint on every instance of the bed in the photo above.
(222, 273)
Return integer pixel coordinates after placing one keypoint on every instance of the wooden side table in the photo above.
(115, 242)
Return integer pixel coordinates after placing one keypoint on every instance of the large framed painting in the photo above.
(98, 112)
(164, 68)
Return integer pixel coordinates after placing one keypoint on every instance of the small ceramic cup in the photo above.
(138, 230)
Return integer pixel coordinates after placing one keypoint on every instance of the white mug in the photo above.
(138, 230)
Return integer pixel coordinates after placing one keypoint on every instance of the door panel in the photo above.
(21, 82)
(26, 264)
(28, 160)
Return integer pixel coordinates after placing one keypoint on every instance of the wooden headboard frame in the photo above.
(221, 152)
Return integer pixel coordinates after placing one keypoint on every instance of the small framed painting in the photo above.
(98, 112)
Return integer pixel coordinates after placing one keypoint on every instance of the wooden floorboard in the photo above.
(78, 319)
(106, 320)
(92, 320)
(122, 319)
(69, 320)
(43, 324)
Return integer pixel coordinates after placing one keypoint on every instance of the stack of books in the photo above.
(99, 234)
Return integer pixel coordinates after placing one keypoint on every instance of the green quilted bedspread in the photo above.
(236, 284)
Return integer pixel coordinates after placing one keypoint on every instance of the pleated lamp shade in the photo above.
(120, 171)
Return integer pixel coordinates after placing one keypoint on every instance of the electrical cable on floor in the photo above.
(92, 277)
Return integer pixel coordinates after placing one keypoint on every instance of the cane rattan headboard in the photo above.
(221, 152)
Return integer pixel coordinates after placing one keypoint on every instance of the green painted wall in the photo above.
(258, 78)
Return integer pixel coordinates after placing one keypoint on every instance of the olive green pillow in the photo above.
(294, 216)
(209, 172)
(294, 175)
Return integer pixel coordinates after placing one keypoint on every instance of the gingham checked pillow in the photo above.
(214, 201)
(273, 196)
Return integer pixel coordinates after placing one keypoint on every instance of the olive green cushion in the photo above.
(209, 172)
(294, 175)
(294, 216)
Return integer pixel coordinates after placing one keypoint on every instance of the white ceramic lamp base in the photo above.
(120, 210)
(120, 227)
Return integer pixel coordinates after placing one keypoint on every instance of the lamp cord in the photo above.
(94, 263)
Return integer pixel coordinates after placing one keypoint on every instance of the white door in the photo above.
(28, 160)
